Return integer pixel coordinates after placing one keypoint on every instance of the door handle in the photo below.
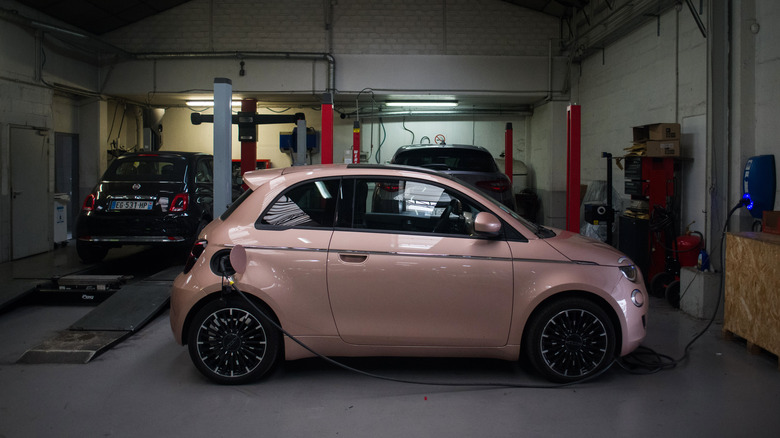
(353, 258)
(17, 193)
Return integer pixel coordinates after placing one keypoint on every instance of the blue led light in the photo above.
(749, 204)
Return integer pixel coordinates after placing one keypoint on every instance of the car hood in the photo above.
(579, 248)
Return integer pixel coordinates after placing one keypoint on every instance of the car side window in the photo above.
(204, 171)
(311, 204)
(409, 206)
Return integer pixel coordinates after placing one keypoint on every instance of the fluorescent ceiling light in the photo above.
(418, 103)
(235, 103)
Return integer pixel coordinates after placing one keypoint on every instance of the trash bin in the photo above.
(61, 201)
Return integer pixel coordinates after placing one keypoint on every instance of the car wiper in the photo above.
(544, 233)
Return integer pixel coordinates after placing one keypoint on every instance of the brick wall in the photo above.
(451, 27)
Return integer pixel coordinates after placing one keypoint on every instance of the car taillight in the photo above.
(498, 186)
(180, 202)
(89, 203)
(197, 249)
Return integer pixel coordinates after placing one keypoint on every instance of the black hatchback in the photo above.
(147, 198)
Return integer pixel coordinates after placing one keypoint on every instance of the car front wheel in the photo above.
(232, 343)
(570, 340)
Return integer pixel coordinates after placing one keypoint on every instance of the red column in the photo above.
(327, 129)
(508, 151)
(573, 117)
(356, 142)
(249, 148)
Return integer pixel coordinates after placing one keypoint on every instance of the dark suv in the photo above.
(472, 164)
(154, 198)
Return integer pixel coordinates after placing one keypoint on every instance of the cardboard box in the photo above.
(657, 131)
(666, 148)
(771, 222)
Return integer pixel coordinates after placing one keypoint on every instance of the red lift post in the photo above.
(327, 129)
(508, 163)
(573, 144)
(356, 142)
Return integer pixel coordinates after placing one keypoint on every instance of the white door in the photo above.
(31, 202)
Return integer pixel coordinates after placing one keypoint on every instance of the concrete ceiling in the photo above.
(100, 16)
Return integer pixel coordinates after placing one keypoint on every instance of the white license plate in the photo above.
(131, 205)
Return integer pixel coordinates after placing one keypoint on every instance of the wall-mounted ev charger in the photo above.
(758, 185)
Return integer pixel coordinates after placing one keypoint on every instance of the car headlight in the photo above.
(629, 272)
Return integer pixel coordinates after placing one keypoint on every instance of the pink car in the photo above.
(361, 260)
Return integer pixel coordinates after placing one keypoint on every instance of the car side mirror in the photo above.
(238, 259)
(487, 224)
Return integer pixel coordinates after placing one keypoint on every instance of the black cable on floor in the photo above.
(408, 381)
(646, 360)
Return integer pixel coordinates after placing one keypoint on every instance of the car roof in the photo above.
(257, 178)
(442, 146)
(162, 154)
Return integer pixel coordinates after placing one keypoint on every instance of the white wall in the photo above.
(644, 78)
(755, 92)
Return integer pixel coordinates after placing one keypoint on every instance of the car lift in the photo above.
(123, 311)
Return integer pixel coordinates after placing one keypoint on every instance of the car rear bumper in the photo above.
(118, 230)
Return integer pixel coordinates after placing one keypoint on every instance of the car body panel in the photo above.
(443, 289)
(353, 292)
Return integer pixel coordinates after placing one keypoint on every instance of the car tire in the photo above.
(90, 253)
(659, 283)
(231, 343)
(570, 339)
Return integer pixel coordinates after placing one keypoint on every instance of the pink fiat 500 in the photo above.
(361, 260)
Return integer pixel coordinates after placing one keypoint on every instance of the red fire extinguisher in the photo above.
(689, 246)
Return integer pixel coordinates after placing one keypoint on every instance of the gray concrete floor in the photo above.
(147, 386)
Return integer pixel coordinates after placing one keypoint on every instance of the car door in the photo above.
(404, 268)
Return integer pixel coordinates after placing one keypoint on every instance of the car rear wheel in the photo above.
(90, 253)
(570, 340)
(232, 343)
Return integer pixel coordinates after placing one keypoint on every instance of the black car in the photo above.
(472, 164)
(147, 198)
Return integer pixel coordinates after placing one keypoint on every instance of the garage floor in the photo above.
(147, 386)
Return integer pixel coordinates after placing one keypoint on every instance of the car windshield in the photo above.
(538, 230)
(446, 158)
(146, 168)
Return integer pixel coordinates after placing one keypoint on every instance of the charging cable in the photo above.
(645, 360)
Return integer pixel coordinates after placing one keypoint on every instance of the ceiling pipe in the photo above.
(93, 41)
(439, 113)
(75, 36)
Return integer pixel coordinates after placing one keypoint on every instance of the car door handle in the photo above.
(353, 258)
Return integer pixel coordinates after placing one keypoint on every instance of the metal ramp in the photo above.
(86, 289)
(123, 313)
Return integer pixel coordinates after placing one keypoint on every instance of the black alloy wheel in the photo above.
(570, 340)
(231, 343)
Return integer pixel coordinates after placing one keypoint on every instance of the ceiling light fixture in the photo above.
(429, 103)
(234, 103)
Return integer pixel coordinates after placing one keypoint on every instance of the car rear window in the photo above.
(448, 159)
(151, 168)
